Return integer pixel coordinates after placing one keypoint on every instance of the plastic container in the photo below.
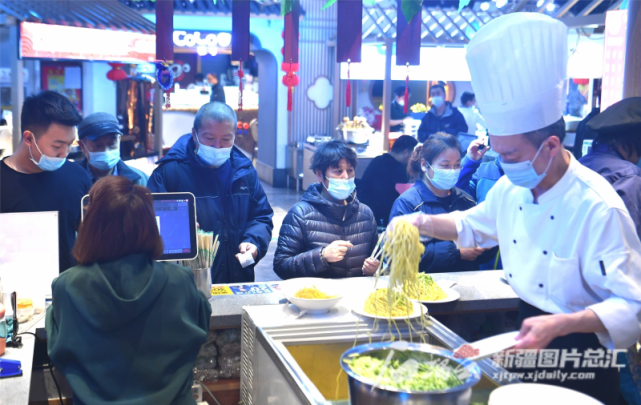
(24, 307)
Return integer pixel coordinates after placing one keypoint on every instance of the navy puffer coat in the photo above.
(316, 222)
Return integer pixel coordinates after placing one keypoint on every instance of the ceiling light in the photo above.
(540, 3)
(501, 3)
(485, 6)
(551, 7)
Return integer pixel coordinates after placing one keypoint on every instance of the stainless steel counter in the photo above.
(480, 291)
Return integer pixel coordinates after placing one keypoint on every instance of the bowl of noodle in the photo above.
(312, 295)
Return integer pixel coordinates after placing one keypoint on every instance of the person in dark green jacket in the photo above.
(123, 328)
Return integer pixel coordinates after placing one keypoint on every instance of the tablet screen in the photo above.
(176, 220)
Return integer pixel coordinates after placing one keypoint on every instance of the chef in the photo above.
(569, 247)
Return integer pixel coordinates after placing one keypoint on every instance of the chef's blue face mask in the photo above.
(215, 157)
(47, 163)
(104, 160)
(340, 189)
(522, 174)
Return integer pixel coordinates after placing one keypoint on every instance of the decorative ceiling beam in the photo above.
(566, 7)
(590, 7)
(544, 5)
(519, 6)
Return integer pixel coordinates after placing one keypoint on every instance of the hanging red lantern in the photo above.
(285, 67)
(581, 81)
(116, 72)
(245, 125)
(290, 80)
(239, 125)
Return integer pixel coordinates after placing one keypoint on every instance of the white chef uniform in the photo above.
(577, 247)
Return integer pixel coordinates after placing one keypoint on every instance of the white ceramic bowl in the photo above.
(312, 306)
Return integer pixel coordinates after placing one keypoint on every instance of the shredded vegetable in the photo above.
(406, 372)
(312, 293)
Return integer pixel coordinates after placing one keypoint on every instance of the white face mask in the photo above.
(47, 163)
(104, 160)
(522, 174)
(401, 102)
(438, 101)
(213, 156)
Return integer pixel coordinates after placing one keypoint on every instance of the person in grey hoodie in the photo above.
(124, 328)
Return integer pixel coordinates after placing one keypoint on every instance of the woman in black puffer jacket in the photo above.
(329, 233)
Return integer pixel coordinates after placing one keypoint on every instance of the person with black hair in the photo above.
(217, 91)
(616, 152)
(38, 177)
(328, 234)
(442, 117)
(397, 110)
(437, 164)
(230, 200)
(473, 118)
(377, 188)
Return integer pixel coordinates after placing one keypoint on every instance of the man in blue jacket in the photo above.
(442, 117)
(230, 200)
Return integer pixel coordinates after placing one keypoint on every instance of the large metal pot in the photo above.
(357, 136)
(363, 391)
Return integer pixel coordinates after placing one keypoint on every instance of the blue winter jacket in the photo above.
(440, 256)
(477, 179)
(250, 219)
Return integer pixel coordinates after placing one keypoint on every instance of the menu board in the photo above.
(64, 78)
(616, 28)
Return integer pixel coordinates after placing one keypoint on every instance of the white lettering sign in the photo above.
(192, 39)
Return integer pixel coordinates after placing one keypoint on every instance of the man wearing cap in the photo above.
(568, 244)
(442, 117)
(616, 152)
(99, 137)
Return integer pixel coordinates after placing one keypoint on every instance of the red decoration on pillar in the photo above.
(116, 72)
(241, 74)
(290, 80)
(348, 91)
(407, 90)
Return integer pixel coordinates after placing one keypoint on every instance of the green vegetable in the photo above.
(430, 375)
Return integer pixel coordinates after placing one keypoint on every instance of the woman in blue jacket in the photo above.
(437, 164)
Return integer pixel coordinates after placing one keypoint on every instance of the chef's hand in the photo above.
(471, 254)
(248, 247)
(422, 221)
(473, 150)
(335, 251)
(537, 332)
(370, 266)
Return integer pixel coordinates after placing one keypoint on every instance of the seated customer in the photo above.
(329, 233)
(230, 201)
(124, 328)
(99, 137)
(377, 188)
(437, 164)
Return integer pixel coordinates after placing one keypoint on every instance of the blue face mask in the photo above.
(340, 189)
(47, 163)
(213, 156)
(104, 160)
(522, 174)
(444, 179)
(438, 101)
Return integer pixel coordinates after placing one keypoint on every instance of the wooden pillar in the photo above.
(632, 77)
(159, 101)
(387, 94)
(17, 83)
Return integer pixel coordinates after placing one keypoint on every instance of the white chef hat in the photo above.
(518, 63)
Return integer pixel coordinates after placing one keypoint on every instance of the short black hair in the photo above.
(43, 109)
(439, 85)
(466, 97)
(330, 154)
(199, 77)
(537, 137)
(3, 122)
(431, 148)
(216, 111)
(403, 143)
(400, 91)
(628, 140)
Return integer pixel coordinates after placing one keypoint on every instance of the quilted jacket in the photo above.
(315, 222)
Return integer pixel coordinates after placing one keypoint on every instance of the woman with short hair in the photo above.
(124, 328)
(329, 233)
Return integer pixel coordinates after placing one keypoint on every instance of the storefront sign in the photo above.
(616, 28)
(197, 38)
(66, 42)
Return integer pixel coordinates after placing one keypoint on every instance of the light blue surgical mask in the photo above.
(444, 179)
(47, 163)
(522, 174)
(213, 156)
(340, 189)
(438, 101)
(104, 160)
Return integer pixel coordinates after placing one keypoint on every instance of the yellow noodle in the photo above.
(312, 293)
(377, 304)
(429, 290)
